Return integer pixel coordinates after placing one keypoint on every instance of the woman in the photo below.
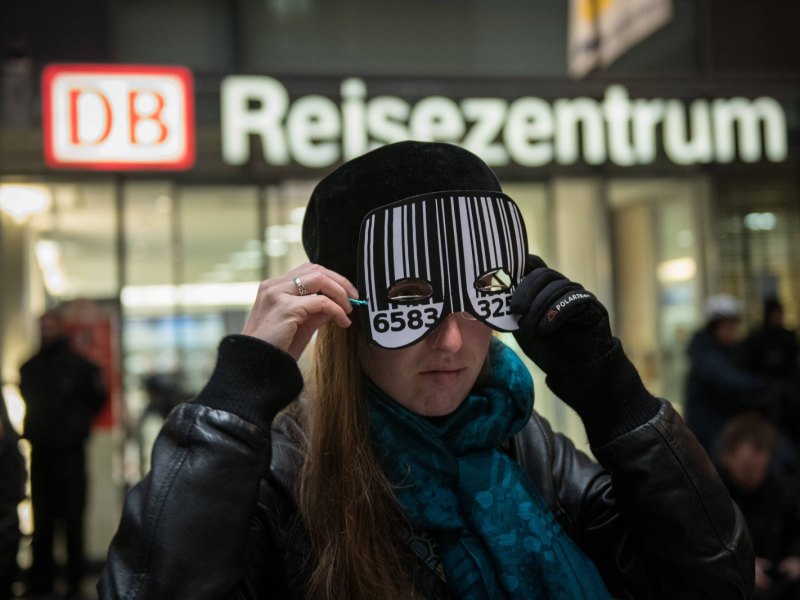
(413, 465)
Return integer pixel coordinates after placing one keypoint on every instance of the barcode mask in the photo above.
(425, 257)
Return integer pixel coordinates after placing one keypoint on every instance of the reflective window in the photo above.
(149, 252)
(759, 244)
(74, 240)
(220, 266)
(219, 234)
(148, 296)
(283, 240)
(193, 260)
(659, 275)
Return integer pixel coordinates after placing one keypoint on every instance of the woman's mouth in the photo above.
(444, 375)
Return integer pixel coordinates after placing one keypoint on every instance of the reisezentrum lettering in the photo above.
(315, 131)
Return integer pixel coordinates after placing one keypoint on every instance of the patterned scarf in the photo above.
(495, 534)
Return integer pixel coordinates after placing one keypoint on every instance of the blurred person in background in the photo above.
(771, 351)
(63, 391)
(769, 501)
(413, 465)
(12, 491)
(163, 394)
(718, 386)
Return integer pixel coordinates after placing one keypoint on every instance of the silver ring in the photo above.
(301, 289)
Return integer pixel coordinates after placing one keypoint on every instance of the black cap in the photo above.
(390, 173)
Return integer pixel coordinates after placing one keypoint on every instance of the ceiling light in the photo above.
(760, 221)
(190, 295)
(676, 270)
(21, 201)
(15, 406)
(48, 256)
(296, 215)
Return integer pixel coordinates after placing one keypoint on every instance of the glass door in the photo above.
(659, 243)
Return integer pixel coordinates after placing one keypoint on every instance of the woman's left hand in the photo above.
(561, 324)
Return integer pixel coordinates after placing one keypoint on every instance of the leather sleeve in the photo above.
(186, 528)
(193, 528)
(655, 517)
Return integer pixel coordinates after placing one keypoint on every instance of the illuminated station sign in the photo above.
(318, 131)
(117, 117)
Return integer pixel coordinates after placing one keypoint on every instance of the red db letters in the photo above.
(115, 117)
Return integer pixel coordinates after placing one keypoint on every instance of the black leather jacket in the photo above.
(216, 518)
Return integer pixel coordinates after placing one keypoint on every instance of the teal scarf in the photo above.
(495, 534)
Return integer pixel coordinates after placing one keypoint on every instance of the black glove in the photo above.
(561, 325)
(565, 330)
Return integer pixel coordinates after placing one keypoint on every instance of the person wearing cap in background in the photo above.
(718, 386)
(413, 464)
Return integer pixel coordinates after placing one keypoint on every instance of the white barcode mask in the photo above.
(425, 257)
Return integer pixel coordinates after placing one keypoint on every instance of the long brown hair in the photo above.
(346, 502)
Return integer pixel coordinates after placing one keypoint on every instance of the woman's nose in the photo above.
(447, 336)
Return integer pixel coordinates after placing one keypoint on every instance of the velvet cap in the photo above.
(387, 174)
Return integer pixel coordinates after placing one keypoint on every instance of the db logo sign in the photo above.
(118, 117)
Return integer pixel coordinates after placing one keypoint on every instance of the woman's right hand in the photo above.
(286, 319)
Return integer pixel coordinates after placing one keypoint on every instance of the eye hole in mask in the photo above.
(410, 291)
(494, 281)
